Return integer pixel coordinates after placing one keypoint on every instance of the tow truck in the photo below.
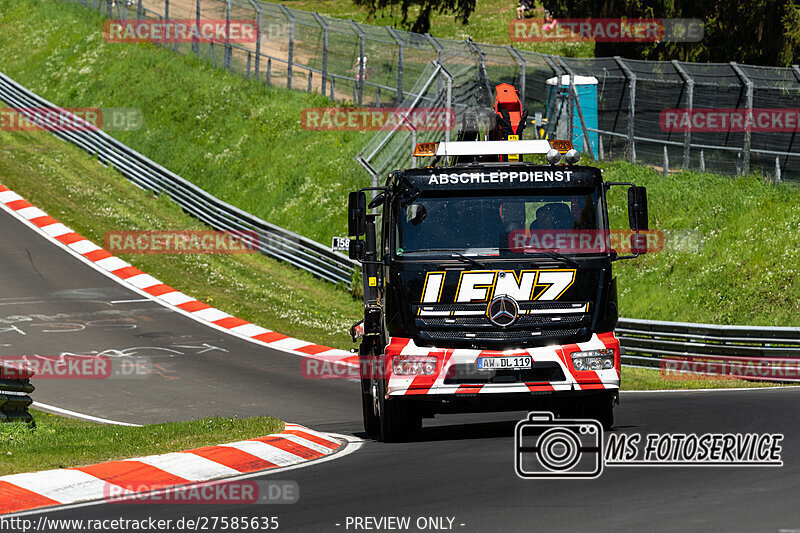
(457, 316)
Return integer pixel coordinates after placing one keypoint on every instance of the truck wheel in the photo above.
(398, 420)
(603, 414)
(602, 410)
(372, 424)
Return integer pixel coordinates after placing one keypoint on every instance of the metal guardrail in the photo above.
(15, 386)
(273, 240)
(648, 343)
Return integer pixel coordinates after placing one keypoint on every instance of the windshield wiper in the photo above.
(469, 260)
(455, 255)
(559, 256)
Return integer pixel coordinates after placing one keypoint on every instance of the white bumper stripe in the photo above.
(398, 386)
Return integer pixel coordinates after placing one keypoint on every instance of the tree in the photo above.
(462, 9)
(760, 32)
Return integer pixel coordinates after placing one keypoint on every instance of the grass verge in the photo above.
(732, 251)
(645, 379)
(60, 442)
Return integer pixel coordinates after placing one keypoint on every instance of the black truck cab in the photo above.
(488, 285)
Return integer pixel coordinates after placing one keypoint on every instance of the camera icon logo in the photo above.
(558, 449)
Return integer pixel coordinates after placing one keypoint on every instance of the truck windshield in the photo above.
(491, 225)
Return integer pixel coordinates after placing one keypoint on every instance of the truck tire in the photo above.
(600, 408)
(372, 424)
(398, 420)
(602, 411)
(608, 419)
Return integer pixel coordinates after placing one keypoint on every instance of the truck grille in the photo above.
(506, 336)
(524, 320)
(536, 306)
(538, 324)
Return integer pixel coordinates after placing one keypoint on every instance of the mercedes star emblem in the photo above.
(502, 311)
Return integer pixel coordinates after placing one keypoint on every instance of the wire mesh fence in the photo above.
(625, 101)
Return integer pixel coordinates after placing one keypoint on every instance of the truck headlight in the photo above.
(414, 365)
(593, 359)
(553, 156)
(572, 157)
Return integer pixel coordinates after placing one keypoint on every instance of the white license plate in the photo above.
(500, 363)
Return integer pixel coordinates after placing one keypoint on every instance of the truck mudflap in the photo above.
(456, 370)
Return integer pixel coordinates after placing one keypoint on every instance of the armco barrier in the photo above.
(15, 388)
(647, 343)
(273, 240)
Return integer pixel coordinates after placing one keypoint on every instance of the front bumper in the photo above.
(553, 370)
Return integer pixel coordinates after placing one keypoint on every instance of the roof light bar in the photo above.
(425, 150)
(562, 146)
(476, 148)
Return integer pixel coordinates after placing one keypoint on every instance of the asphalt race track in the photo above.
(53, 303)
(461, 468)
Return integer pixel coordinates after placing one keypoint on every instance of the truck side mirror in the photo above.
(637, 208)
(356, 214)
(356, 250)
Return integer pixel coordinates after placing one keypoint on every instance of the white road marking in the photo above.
(781, 387)
(67, 412)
